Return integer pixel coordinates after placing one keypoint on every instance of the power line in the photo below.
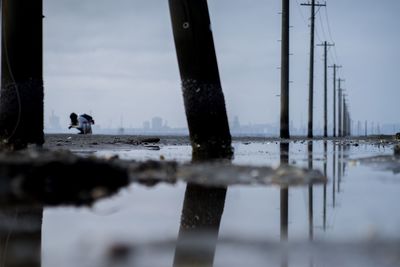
(330, 33)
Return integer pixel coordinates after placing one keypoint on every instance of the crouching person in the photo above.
(83, 123)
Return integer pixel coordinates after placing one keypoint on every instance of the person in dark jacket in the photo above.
(83, 123)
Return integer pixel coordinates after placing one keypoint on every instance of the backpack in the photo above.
(88, 117)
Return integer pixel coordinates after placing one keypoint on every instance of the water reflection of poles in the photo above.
(200, 222)
(284, 203)
(325, 174)
(334, 176)
(22, 233)
(310, 193)
(284, 195)
(340, 167)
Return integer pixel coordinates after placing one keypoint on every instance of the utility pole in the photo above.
(22, 93)
(335, 68)
(366, 128)
(285, 132)
(311, 78)
(201, 86)
(344, 118)
(326, 45)
(340, 108)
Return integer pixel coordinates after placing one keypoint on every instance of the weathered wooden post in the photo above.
(21, 100)
(285, 69)
(201, 86)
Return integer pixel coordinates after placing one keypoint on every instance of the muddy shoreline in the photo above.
(75, 142)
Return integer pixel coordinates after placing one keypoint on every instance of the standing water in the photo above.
(350, 221)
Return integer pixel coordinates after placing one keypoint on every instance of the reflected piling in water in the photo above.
(284, 195)
(200, 222)
(310, 194)
(284, 206)
(334, 176)
(21, 234)
(21, 102)
(325, 186)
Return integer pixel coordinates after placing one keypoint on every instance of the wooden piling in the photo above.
(201, 86)
(21, 101)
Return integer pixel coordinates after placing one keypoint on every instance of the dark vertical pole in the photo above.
(325, 45)
(200, 222)
(344, 117)
(310, 194)
(366, 128)
(335, 68)
(372, 128)
(21, 235)
(285, 132)
(334, 100)
(340, 109)
(284, 151)
(325, 174)
(326, 90)
(311, 74)
(284, 204)
(311, 77)
(201, 86)
(340, 167)
(21, 102)
(334, 176)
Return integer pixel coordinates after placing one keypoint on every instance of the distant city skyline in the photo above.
(158, 125)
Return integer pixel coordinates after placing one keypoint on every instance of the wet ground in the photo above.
(353, 220)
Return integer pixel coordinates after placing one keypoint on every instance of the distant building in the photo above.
(54, 122)
(156, 124)
(146, 125)
(236, 123)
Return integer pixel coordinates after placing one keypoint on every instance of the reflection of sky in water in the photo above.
(365, 207)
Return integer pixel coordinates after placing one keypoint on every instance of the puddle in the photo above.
(350, 221)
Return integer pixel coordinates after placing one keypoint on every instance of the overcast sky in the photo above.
(117, 58)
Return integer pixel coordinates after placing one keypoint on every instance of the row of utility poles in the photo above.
(344, 120)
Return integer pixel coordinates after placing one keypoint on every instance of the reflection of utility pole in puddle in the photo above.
(310, 200)
(310, 193)
(198, 234)
(325, 174)
(284, 204)
(23, 231)
(334, 176)
(340, 166)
